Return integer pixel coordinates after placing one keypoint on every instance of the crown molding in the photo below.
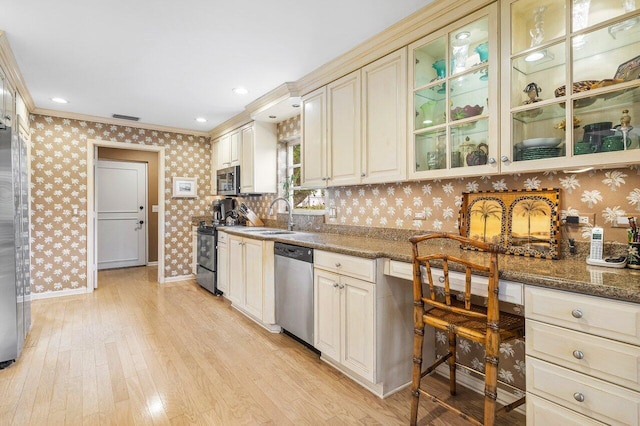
(10, 67)
(117, 122)
(264, 102)
(277, 95)
(233, 123)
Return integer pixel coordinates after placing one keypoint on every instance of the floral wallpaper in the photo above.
(59, 182)
(603, 194)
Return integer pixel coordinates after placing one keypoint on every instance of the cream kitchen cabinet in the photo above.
(583, 357)
(344, 321)
(222, 271)
(453, 110)
(357, 312)
(570, 71)
(314, 139)
(353, 129)
(194, 250)
(258, 174)
(251, 279)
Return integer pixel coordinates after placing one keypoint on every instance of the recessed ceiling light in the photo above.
(240, 91)
(201, 120)
(60, 100)
(463, 35)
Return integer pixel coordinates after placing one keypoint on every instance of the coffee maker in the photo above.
(221, 209)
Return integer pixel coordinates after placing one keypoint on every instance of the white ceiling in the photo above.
(169, 62)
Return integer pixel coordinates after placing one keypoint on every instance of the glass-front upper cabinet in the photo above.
(454, 104)
(573, 69)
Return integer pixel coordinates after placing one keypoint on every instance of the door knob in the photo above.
(141, 222)
(141, 207)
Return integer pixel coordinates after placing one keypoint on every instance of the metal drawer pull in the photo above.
(578, 354)
(335, 285)
(441, 279)
(577, 313)
(578, 397)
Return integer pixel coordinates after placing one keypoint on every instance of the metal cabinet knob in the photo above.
(492, 160)
(338, 264)
(578, 354)
(335, 285)
(578, 397)
(577, 313)
(341, 286)
(363, 174)
(441, 279)
(504, 159)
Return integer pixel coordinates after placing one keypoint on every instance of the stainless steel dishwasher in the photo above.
(294, 290)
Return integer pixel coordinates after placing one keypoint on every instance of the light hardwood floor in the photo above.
(136, 352)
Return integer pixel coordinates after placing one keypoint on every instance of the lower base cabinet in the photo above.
(583, 359)
(251, 279)
(363, 321)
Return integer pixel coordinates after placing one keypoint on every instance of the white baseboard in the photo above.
(179, 278)
(60, 293)
(152, 263)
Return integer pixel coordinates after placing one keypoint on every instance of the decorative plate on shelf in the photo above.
(537, 142)
(629, 70)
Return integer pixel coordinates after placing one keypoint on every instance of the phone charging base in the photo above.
(612, 263)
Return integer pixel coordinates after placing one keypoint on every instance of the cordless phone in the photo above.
(595, 253)
(596, 243)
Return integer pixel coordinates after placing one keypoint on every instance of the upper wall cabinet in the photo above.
(573, 91)
(258, 174)
(352, 129)
(453, 110)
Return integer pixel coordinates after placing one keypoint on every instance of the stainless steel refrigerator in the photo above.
(15, 278)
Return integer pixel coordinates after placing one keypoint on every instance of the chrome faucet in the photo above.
(290, 224)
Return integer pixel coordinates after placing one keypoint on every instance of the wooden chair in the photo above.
(481, 324)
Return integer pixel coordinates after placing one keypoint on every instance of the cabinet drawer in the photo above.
(603, 358)
(509, 291)
(222, 237)
(608, 318)
(543, 412)
(601, 400)
(357, 267)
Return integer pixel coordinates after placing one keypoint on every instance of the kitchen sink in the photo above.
(277, 232)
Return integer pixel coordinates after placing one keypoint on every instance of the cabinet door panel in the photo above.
(253, 277)
(358, 327)
(327, 314)
(384, 119)
(344, 124)
(246, 171)
(236, 271)
(314, 139)
(224, 152)
(222, 274)
(235, 148)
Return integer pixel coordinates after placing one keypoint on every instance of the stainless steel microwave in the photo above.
(228, 181)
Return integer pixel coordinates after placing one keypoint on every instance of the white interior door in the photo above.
(121, 198)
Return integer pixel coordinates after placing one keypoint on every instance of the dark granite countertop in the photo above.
(570, 274)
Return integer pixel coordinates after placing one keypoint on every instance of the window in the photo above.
(307, 199)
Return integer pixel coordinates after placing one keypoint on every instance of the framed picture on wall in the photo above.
(524, 222)
(185, 187)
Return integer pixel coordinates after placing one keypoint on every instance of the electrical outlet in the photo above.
(583, 220)
(621, 221)
(333, 213)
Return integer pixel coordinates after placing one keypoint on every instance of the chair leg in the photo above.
(418, 340)
(491, 381)
(452, 363)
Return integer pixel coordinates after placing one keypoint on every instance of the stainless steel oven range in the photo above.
(207, 258)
